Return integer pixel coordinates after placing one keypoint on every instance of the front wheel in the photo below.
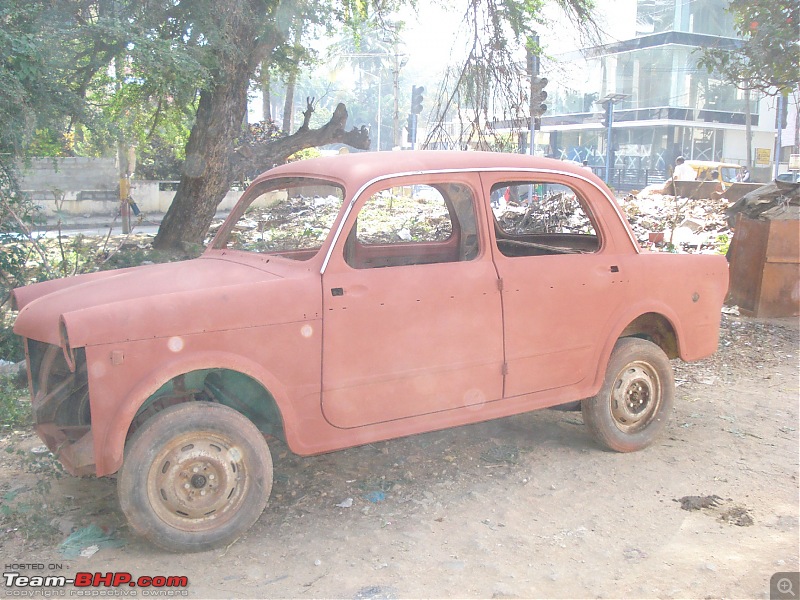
(637, 396)
(196, 476)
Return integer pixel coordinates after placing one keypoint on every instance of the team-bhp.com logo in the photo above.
(92, 584)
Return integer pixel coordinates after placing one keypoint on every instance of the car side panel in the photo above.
(284, 358)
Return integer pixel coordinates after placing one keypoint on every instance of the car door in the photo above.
(412, 319)
(560, 280)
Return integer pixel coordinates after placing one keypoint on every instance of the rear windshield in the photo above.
(289, 217)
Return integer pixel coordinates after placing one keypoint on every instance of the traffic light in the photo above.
(416, 99)
(538, 96)
(607, 108)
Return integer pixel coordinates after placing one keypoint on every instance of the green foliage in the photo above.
(33, 510)
(32, 97)
(304, 154)
(768, 59)
(723, 243)
(15, 406)
(17, 216)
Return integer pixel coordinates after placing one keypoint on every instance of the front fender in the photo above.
(121, 380)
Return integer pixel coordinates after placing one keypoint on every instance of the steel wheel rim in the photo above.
(197, 481)
(635, 397)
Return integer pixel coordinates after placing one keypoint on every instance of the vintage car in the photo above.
(352, 299)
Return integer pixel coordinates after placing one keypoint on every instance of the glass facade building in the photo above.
(664, 104)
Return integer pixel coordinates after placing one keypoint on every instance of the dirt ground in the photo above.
(523, 507)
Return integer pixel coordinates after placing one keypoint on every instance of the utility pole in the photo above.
(400, 61)
(780, 123)
(608, 120)
(398, 64)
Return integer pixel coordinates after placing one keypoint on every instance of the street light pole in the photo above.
(378, 142)
(609, 101)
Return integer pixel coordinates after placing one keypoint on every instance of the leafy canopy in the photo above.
(769, 56)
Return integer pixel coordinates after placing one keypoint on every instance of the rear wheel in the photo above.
(196, 475)
(638, 393)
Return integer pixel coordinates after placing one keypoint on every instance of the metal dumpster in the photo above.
(765, 266)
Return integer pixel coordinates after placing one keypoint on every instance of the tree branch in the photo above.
(262, 156)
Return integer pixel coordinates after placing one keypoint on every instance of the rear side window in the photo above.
(534, 218)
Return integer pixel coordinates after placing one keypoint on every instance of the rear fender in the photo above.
(618, 328)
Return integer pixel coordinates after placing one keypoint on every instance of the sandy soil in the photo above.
(524, 507)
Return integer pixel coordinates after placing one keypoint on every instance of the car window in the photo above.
(534, 218)
(730, 174)
(289, 217)
(414, 224)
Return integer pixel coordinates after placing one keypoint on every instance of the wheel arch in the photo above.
(657, 328)
(658, 325)
(228, 370)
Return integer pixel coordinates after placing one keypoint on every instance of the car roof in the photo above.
(711, 163)
(365, 166)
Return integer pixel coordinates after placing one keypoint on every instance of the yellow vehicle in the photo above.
(726, 173)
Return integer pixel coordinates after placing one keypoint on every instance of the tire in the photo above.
(196, 476)
(634, 403)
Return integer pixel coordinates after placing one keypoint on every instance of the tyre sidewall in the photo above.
(148, 441)
(597, 410)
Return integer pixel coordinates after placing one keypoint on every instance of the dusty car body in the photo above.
(352, 299)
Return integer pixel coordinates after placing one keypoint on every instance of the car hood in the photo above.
(136, 303)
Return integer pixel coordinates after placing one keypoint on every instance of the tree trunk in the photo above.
(291, 84)
(207, 174)
(201, 190)
(266, 96)
(288, 105)
(257, 158)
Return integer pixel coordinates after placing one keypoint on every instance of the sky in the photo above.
(431, 39)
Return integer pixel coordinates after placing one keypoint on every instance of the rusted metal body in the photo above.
(738, 190)
(765, 267)
(353, 340)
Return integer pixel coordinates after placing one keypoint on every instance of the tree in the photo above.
(130, 70)
(83, 75)
(491, 82)
(767, 59)
(32, 98)
(249, 33)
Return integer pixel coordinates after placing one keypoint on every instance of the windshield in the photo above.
(731, 174)
(289, 217)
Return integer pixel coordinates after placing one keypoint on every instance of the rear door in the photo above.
(560, 281)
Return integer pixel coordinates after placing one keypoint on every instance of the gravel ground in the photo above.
(522, 507)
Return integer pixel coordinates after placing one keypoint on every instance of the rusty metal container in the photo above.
(765, 267)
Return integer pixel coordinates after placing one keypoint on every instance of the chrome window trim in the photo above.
(532, 170)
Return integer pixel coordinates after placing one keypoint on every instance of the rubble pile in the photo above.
(553, 213)
(673, 224)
